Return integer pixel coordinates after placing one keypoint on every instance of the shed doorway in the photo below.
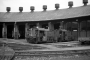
(9, 31)
(22, 31)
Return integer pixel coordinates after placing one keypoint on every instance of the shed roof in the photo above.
(45, 16)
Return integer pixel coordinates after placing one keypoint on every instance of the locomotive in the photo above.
(42, 35)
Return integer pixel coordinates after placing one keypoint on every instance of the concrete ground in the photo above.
(60, 46)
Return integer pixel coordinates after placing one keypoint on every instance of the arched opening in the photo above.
(21, 31)
(9, 31)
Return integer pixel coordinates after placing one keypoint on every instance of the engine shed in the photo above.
(75, 21)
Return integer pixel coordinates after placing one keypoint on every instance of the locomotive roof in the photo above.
(45, 15)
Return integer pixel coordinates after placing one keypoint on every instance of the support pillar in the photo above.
(61, 27)
(79, 28)
(51, 26)
(26, 30)
(38, 32)
(38, 25)
(16, 34)
(71, 28)
(4, 31)
(64, 25)
(86, 28)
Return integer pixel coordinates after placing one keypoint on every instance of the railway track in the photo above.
(37, 53)
(50, 55)
(22, 51)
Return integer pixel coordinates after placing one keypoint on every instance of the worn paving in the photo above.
(60, 46)
(72, 46)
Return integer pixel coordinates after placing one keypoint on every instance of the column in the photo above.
(71, 28)
(64, 25)
(38, 25)
(4, 31)
(61, 27)
(16, 34)
(79, 29)
(86, 28)
(26, 30)
(38, 32)
(51, 26)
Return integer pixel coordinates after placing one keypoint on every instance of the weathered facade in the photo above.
(76, 20)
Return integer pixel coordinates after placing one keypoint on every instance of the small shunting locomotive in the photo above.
(42, 35)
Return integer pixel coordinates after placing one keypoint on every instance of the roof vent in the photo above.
(8, 9)
(32, 8)
(57, 6)
(70, 4)
(44, 7)
(20, 9)
(85, 2)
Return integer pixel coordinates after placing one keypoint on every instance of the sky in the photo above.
(15, 4)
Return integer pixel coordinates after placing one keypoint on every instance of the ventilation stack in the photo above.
(57, 6)
(70, 4)
(44, 7)
(32, 8)
(8, 9)
(20, 9)
(85, 2)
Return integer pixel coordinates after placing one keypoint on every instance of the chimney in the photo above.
(70, 4)
(44, 7)
(20, 9)
(32, 8)
(57, 6)
(85, 2)
(8, 9)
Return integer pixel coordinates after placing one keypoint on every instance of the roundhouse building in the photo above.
(76, 20)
